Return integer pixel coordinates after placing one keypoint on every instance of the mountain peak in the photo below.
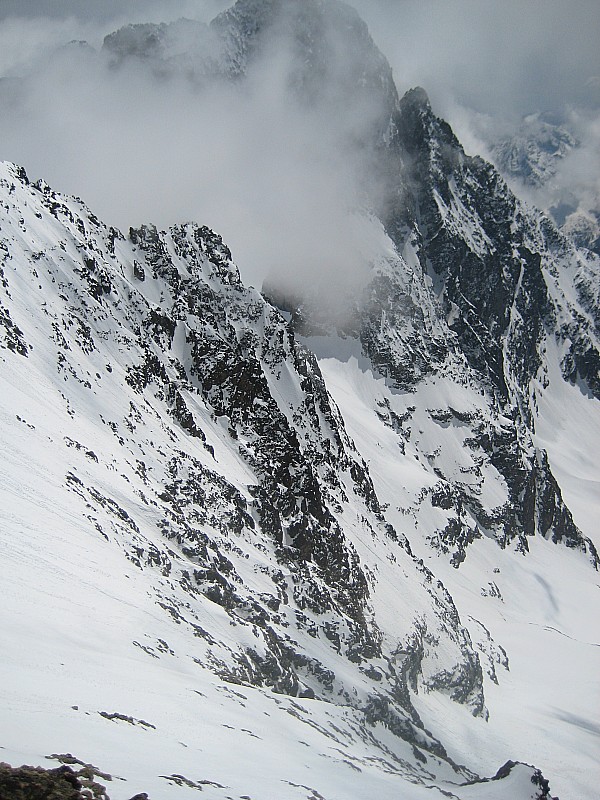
(330, 47)
(417, 97)
(418, 124)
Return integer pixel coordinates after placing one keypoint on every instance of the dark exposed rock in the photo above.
(35, 783)
(12, 336)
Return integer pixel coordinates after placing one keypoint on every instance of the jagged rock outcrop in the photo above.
(32, 783)
(491, 258)
(478, 294)
(236, 484)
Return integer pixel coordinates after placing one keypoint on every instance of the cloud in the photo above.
(283, 181)
(284, 185)
(573, 197)
(499, 58)
(25, 42)
(31, 29)
(508, 58)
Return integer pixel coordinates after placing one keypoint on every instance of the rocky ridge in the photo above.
(508, 290)
(200, 441)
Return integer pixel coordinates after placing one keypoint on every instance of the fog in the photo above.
(486, 64)
(281, 180)
(283, 184)
(512, 57)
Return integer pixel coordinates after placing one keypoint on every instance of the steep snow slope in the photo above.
(469, 382)
(533, 615)
(195, 559)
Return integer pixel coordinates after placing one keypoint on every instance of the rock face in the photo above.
(235, 467)
(480, 292)
(491, 259)
(507, 290)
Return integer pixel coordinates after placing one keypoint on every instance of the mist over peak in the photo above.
(161, 41)
(263, 124)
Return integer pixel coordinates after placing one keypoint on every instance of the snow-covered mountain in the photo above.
(539, 156)
(534, 152)
(263, 546)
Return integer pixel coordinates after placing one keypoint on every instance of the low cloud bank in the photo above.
(283, 183)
